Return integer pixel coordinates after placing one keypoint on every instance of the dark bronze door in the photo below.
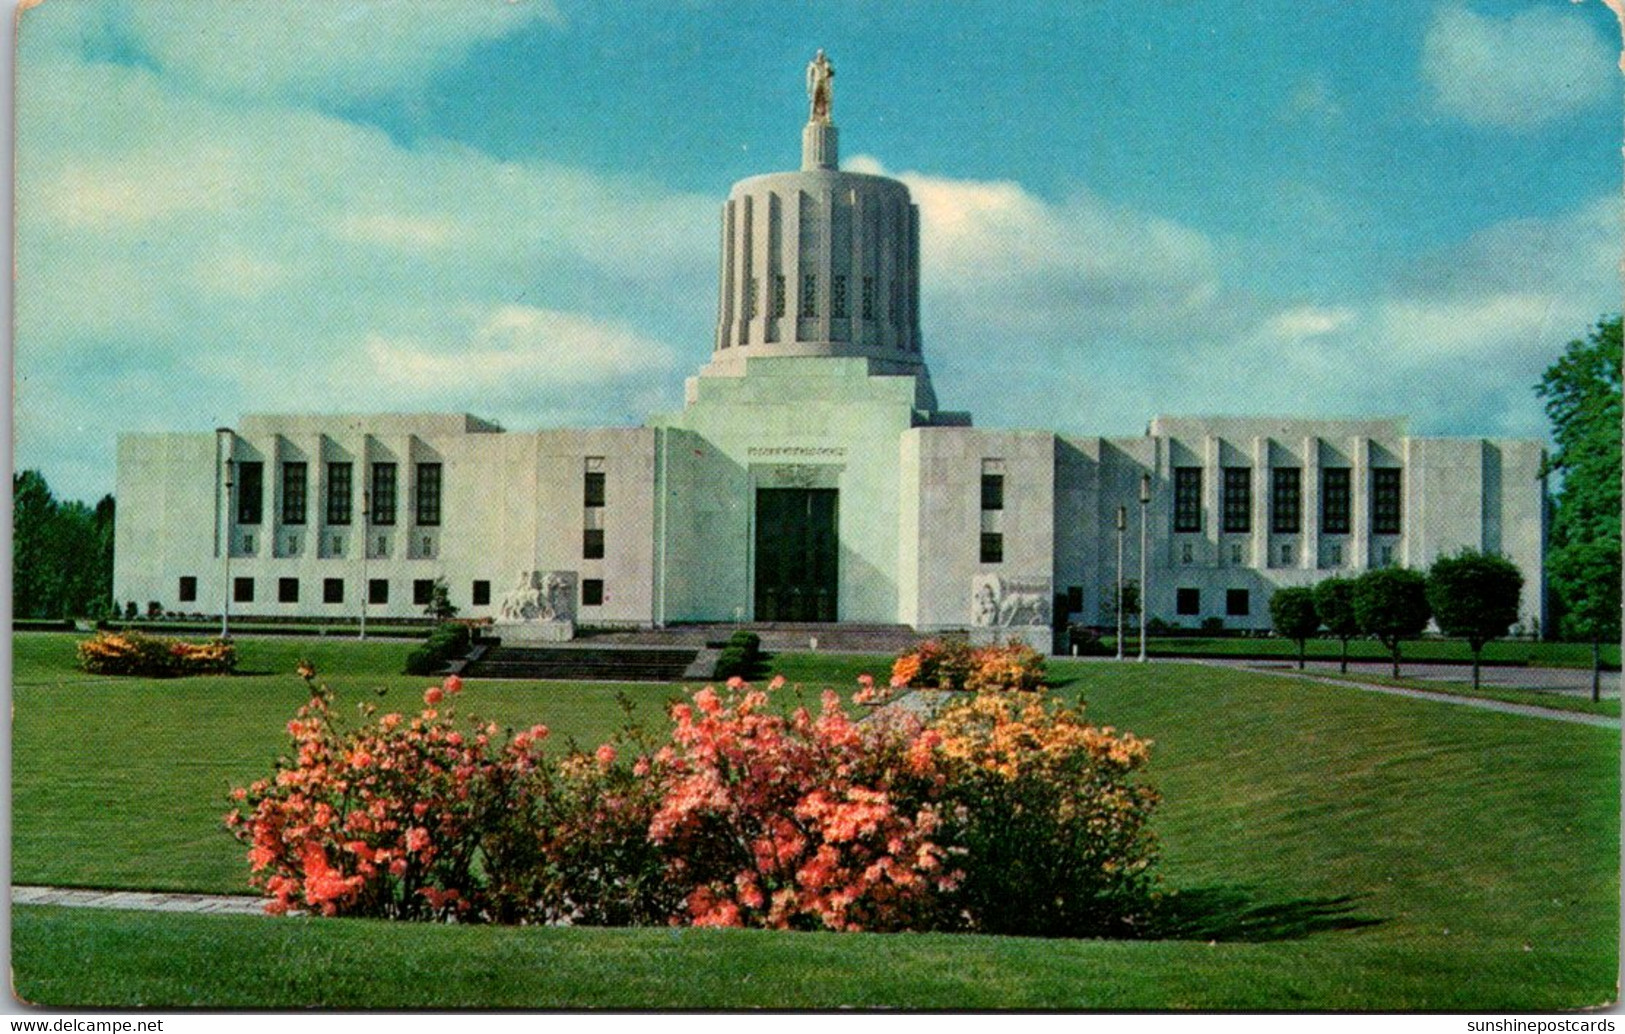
(796, 552)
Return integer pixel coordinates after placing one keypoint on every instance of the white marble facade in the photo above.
(817, 382)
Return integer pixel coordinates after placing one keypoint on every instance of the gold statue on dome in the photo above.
(820, 87)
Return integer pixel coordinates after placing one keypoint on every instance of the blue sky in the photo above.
(1130, 207)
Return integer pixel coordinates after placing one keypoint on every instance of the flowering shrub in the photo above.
(1053, 823)
(955, 664)
(1005, 815)
(800, 822)
(131, 653)
(388, 819)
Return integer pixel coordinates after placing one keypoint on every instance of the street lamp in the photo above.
(1145, 588)
(366, 548)
(1122, 526)
(225, 606)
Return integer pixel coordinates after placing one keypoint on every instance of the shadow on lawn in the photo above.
(1229, 914)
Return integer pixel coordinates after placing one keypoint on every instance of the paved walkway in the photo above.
(1563, 681)
(1528, 710)
(140, 901)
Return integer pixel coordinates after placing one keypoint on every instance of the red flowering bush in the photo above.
(801, 821)
(394, 818)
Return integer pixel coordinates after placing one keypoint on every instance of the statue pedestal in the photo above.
(523, 633)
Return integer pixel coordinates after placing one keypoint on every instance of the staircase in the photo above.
(582, 663)
(777, 637)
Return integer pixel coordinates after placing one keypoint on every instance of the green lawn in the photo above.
(1341, 850)
(1545, 655)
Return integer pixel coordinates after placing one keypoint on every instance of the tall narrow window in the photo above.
(188, 587)
(1286, 504)
(992, 491)
(592, 592)
(992, 547)
(1334, 501)
(250, 492)
(383, 493)
(592, 544)
(293, 493)
(837, 296)
(1238, 499)
(482, 593)
(809, 295)
(428, 500)
(338, 493)
(1385, 508)
(378, 590)
(750, 297)
(593, 486)
(1187, 499)
(868, 297)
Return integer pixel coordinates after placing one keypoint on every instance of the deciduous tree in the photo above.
(1474, 596)
(1293, 612)
(1391, 603)
(1334, 603)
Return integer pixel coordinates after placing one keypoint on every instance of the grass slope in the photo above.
(1344, 850)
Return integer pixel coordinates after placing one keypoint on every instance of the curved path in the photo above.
(1528, 710)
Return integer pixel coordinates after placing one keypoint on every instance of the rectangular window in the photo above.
(1235, 554)
(242, 590)
(776, 303)
(1187, 601)
(868, 297)
(1337, 556)
(1387, 556)
(837, 296)
(592, 544)
(992, 547)
(481, 594)
(332, 590)
(287, 590)
(592, 592)
(593, 489)
(378, 590)
(338, 493)
(1286, 553)
(751, 287)
(1334, 501)
(1187, 499)
(1286, 503)
(1237, 603)
(1238, 499)
(428, 500)
(188, 589)
(1185, 553)
(809, 295)
(383, 493)
(992, 491)
(293, 493)
(250, 492)
(1385, 500)
(422, 591)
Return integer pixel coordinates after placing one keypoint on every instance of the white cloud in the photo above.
(219, 253)
(517, 344)
(322, 48)
(1519, 71)
(998, 256)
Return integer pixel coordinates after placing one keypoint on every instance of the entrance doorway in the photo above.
(796, 553)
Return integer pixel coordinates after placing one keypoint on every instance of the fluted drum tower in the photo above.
(820, 262)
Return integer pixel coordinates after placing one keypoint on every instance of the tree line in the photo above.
(1471, 595)
(62, 552)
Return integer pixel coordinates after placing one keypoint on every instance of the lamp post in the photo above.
(1122, 526)
(1145, 593)
(225, 605)
(366, 548)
